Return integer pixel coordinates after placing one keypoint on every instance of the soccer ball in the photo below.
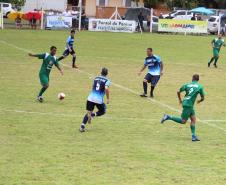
(61, 96)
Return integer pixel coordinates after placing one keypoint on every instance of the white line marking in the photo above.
(73, 115)
(76, 115)
(216, 120)
(129, 90)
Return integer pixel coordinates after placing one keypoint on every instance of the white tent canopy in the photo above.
(60, 5)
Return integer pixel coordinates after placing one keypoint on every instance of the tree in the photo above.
(14, 2)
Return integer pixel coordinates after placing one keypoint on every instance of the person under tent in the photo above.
(18, 22)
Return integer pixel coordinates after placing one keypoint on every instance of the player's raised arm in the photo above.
(40, 56)
(32, 55)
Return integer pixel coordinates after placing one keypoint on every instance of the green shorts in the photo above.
(216, 52)
(187, 113)
(44, 79)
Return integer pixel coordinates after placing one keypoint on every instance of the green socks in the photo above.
(192, 129)
(42, 91)
(176, 119)
(179, 120)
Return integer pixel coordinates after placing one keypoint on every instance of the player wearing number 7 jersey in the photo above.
(192, 90)
(96, 98)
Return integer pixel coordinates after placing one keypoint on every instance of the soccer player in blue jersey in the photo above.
(155, 70)
(70, 49)
(96, 98)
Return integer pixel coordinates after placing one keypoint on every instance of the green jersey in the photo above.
(48, 62)
(217, 43)
(192, 90)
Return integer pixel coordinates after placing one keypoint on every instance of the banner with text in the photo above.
(58, 21)
(184, 26)
(112, 25)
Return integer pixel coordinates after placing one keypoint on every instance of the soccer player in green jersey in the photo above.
(192, 90)
(217, 43)
(49, 59)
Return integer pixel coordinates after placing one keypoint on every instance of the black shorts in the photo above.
(152, 79)
(67, 52)
(91, 105)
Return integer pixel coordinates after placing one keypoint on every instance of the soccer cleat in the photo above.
(151, 96)
(74, 66)
(195, 138)
(40, 99)
(82, 129)
(143, 95)
(215, 65)
(165, 117)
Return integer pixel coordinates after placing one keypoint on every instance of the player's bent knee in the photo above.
(100, 113)
(184, 121)
(145, 81)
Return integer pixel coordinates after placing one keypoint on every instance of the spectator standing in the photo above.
(18, 22)
(140, 20)
(194, 17)
(33, 22)
(83, 19)
(66, 13)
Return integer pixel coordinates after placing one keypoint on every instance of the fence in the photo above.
(1, 16)
(48, 19)
(129, 20)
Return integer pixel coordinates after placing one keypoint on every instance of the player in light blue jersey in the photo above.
(155, 70)
(96, 98)
(70, 49)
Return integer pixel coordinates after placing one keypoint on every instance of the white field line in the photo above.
(129, 90)
(2, 110)
(73, 115)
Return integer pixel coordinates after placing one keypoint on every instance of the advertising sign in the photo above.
(184, 26)
(58, 21)
(112, 25)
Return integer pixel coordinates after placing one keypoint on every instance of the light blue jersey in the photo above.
(154, 65)
(70, 42)
(98, 91)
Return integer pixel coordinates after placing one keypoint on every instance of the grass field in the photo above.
(40, 143)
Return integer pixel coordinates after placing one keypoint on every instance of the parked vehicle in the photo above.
(7, 8)
(213, 24)
(185, 15)
(173, 14)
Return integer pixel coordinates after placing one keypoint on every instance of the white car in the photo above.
(173, 14)
(184, 15)
(213, 24)
(7, 8)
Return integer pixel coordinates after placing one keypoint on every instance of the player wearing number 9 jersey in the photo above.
(96, 98)
(192, 90)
